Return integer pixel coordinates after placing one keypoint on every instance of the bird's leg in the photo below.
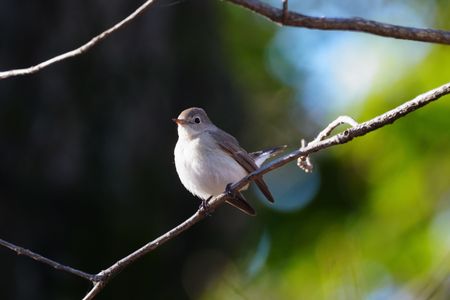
(204, 205)
(229, 191)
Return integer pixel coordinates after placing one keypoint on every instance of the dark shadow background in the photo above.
(86, 146)
(87, 173)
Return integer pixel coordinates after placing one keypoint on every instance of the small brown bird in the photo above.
(208, 160)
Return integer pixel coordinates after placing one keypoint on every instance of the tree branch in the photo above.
(80, 50)
(101, 279)
(289, 18)
(25, 252)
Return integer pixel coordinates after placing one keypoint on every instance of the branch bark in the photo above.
(101, 279)
(25, 252)
(289, 18)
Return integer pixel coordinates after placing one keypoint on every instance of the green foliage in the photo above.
(266, 100)
(376, 229)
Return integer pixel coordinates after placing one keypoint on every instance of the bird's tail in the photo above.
(239, 202)
(261, 156)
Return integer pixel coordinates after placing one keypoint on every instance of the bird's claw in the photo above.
(229, 191)
(205, 206)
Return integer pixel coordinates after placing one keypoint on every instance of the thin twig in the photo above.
(101, 279)
(25, 252)
(290, 18)
(80, 50)
(304, 162)
(98, 286)
(339, 121)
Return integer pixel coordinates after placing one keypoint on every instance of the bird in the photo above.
(208, 160)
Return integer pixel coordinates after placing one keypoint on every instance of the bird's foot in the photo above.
(230, 193)
(205, 206)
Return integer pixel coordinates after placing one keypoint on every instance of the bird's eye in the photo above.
(197, 120)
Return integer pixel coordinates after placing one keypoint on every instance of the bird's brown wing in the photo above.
(239, 202)
(231, 146)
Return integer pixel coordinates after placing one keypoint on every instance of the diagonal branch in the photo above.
(80, 50)
(106, 275)
(101, 279)
(289, 18)
(349, 134)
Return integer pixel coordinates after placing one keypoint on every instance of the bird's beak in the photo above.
(179, 121)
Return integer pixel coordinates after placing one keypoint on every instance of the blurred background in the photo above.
(86, 152)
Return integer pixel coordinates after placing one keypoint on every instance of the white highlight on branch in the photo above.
(303, 162)
(339, 121)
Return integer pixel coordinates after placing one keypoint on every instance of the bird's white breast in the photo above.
(203, 167)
